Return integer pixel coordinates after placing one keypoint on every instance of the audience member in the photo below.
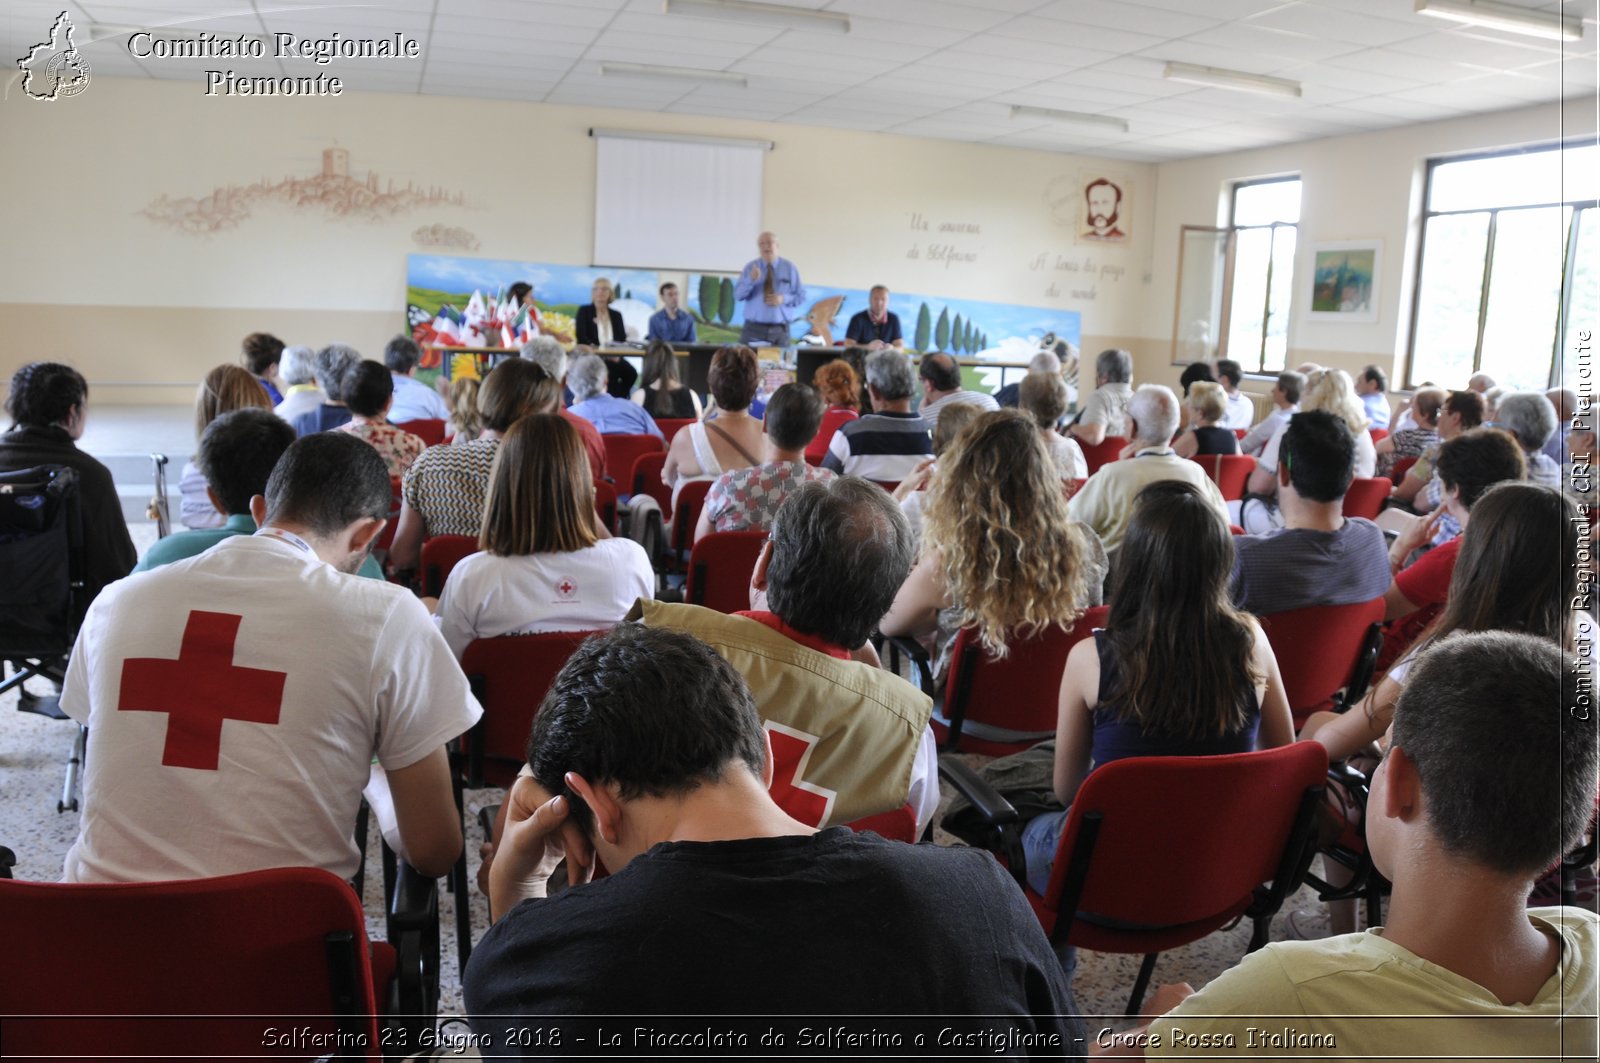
(1240, 410)
(369, 393)
(316, 672)
(1565, 403)
(1481, 383)
(465, 420)
(1194, 373)
(1285, 404)
(237, 453)
(748, 499)
(1043, 397)
(1056, 360)
(261, 352)
(1460, 412)
(609, 414)
(413, 400)
(1470, 970)
(443, 492)
(547, 353)
(1532, 420)
(1000, 553)
(660, 392)
(669, 325)
(225, 388)
(1327, 389)
(706, 449)
(889, 443)
(1106, 411)
(1208, 432)
(1491, 404)
(330, 365)
(546, 562)
(1426, 402)
(1106, 500)
(841, 395)
(1319, 557)
(912, 493)
(649, 754)
(1177, 670)
(941, 388)
(297, 370)
(1372, 388)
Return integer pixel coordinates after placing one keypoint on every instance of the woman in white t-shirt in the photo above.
(546, 562)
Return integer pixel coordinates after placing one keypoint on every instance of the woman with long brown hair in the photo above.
(659, 391)
(545, 561)
(1177, 670)
(225, 388)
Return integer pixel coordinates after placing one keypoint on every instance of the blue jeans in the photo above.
(1040, 836)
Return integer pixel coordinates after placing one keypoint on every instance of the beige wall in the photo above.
(139, 306)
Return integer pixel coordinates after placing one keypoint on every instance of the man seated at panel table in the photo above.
(238, 699)
(876, 326)
(670, 323)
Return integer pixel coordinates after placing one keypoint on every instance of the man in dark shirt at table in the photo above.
(875, 326)
(649, 755)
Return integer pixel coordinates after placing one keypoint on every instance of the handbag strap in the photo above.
(732, 442)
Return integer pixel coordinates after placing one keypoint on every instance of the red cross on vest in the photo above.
(201, 689)
(791, 750)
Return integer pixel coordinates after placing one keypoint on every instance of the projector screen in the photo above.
(676, 204)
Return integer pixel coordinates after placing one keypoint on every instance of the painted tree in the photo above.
(958, 340)
(972, 339)
(924, 326)
(710, 297)
(941, 331)
(725, 301)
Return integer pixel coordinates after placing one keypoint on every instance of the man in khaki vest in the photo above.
(849, 739)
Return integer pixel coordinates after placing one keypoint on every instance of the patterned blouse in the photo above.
(447, 486)
(747, 499)
(397, 449)
(1408, 443)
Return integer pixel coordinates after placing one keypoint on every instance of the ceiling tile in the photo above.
(1335, 22)
(1135, 18)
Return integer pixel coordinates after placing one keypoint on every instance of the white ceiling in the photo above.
(928, 68)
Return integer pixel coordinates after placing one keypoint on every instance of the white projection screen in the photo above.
(681, 204)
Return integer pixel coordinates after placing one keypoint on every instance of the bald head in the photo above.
(1480, 382)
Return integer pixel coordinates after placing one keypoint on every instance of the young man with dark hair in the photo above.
(413, 400)
(1372, 386)
(1464, 969)
(648, 753)
(748, 498)
(1319, 557)
(261, 352)
(941, 387)
(1241, 411)
(670, 323)
(238, 699)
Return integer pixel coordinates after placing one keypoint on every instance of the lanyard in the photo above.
(285, 537)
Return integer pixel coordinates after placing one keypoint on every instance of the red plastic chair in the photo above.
(817, 449)
(510, 676)
(670, 425)
(1230, 472)
(686, 514)
(1224, 826)
(386, 537)
(165, 969)
(1324, 649)
(1240, 433)
(1401, 467)
(1366, 496)
(646, 480)
(1378, 433)
(440, 554)
(1106, 451)
(1018, 692)
(623, 450)
(430, 430)
(605, 505)
(719, 570)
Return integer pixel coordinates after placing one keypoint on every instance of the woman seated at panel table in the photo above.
(600, 327)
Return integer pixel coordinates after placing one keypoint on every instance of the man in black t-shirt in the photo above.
(648, 755)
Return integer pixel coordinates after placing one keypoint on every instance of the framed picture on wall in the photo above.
(1102, 209)
(1344, 281)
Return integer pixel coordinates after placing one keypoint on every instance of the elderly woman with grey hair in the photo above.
(1531, 420)
(547, 353)
(300, 393)
(331, 365)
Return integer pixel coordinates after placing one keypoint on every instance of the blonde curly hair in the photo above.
(1013, 562)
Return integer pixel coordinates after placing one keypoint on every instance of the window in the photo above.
(1263, 220)
(1508, 263)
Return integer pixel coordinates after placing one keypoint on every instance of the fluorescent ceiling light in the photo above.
(747, 11)
(671, 73)
(1237, 80)
(1551, 25)
(1075, 117)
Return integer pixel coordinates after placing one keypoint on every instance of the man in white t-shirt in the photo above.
(1241, 411)
(236, 700)
(1285, 404)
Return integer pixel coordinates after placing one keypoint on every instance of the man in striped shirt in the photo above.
(887, 444)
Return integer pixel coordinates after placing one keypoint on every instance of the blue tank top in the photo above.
(1115, 739)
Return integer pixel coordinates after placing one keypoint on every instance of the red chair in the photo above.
(1102, 453)
(440, 554)
(163, 969)
(1075, 486)
(1240, 433)
(623, 450)
(605, 505)
(670, 425)
(386, 537)
(1016, 694)
(686, 514)
(719, 570)
(1225, 827)
(1324, 649)
(1230, 472)
(817, 449)
(1366, 496)
(1234, 529)
(646, 480)
(1401, 467)
(1378, 433)
(430, 430)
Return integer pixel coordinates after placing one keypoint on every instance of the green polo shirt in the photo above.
(197, 541)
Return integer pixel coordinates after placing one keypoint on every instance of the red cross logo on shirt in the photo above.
(791, 751)
(201, 689)
(566, 588)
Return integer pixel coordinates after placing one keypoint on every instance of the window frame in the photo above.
(1486, 278)
(1258, 363)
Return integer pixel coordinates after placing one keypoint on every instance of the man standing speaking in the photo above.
(770, 289)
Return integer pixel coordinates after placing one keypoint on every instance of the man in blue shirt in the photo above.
(1372, 386)
(413, 400)
(587, 378)
(771, 292)
(669, 323)
(875, 326)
